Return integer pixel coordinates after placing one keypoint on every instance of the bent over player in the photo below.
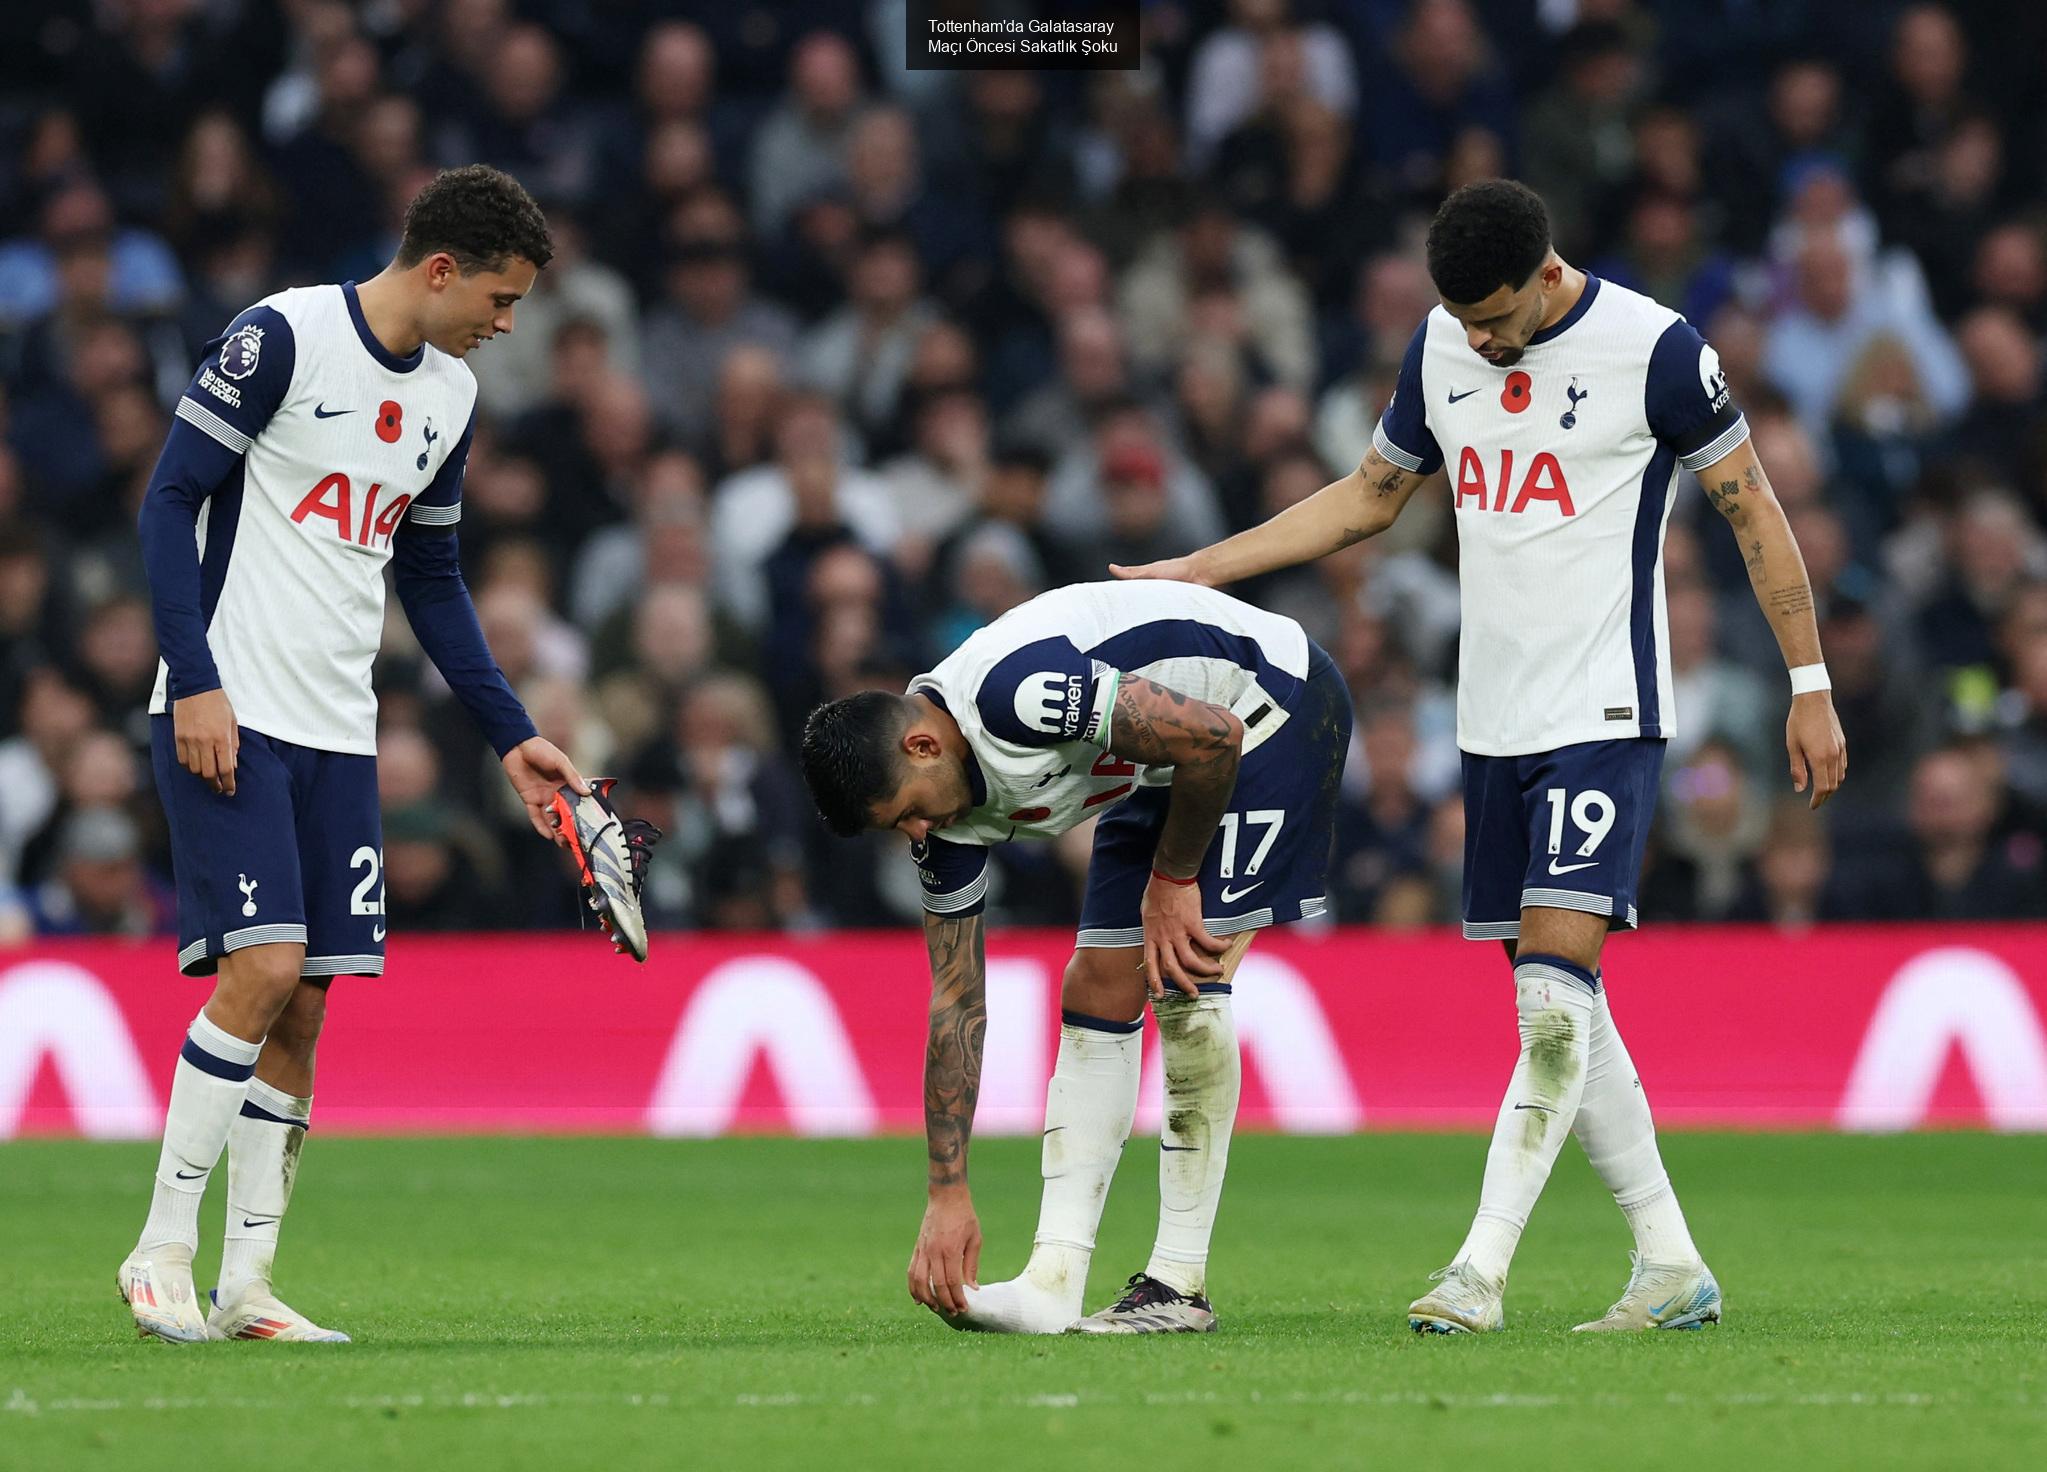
(323, 436)
(1567, 406)
(1210, 737)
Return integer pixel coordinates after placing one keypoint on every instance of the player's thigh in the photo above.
(341, 851)
(1495, 848)
(1588, 810)
(234, 858)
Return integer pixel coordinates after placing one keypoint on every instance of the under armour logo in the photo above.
(1570, 417)
(424, 455)
(248, 888)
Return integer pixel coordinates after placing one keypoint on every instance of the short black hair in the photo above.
(1487, 235)
(852, 757)
(481, 216)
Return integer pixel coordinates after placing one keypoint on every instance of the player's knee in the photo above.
(1104, 982)
(258, 982)
(297, 1028)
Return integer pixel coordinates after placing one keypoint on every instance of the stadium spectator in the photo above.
(100, 885)
(1954, 866)
(707, 310)
(799, 150)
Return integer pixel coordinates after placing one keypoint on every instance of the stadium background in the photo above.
(838, 361)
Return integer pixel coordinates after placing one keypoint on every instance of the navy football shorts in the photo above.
(1269, 862)
(1559, 829)
(297, 854)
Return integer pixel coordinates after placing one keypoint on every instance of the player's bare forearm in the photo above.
(1740, 491)
(952, 1054)
(1202, 743)
(1341, 514)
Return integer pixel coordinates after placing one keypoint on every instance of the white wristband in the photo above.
(1807, 678)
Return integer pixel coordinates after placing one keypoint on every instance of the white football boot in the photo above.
(157, 1287)
(1468, 1302)
(257, 1314)
(1151, 1307)
(1661, 1296)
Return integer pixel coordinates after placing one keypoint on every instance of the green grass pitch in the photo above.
(622, 1304)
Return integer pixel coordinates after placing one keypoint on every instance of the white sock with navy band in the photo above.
(1089, 1106)
(207, 1090)
(262, 1162)
(1204, 1077)
(1619, 1135)
(1554, 999)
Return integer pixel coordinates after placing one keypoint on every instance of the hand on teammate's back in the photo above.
(538, 769)
(209, 741)
(1178, 569)
(1819, 752)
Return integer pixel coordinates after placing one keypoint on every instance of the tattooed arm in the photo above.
(948, 1252)
(1341, 514)
(1741, 493)
(1158, 727)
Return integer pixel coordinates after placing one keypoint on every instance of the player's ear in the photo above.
(921, 744)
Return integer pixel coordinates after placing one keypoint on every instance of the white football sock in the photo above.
(262, 1162)
(1088, 1109)
(211, 1081)
(1204, 1075)
(1619, 1137)
(1554, 1000)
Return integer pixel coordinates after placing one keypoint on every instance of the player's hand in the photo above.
(1819, 752)
(1175, 569)
(1177, 948)
(948, 1255)
(208, 740)
(537, 769)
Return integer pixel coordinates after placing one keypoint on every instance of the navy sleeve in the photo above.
(242, 379)
(1688, 404)
(436, 600)
(1403, 437)
(954, 876)
(1046, 693)
(192, 467)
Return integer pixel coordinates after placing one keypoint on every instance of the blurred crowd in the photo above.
(838, 361)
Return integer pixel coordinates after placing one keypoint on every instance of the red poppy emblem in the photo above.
(1515, 396)
(391, 421)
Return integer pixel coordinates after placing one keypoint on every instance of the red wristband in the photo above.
(1193, 879)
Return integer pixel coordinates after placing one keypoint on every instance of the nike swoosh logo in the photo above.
(1571, 868)
(1055, 1129)
(268, 1221)
(1538, 1108)
(321, 411)
(192, 1175)
(1657, 1311)
(377, 934)
(1164, 1146)
(1231, 896)
(1465, 395)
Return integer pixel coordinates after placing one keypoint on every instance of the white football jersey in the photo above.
(1562, 469)
(1032, 694)
(342, 443)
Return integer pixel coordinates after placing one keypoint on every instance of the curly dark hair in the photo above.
(1487, 235)
(852, 758)
(481, 216)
